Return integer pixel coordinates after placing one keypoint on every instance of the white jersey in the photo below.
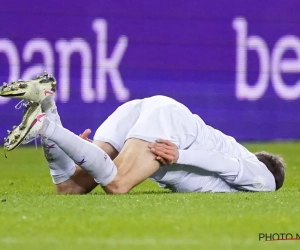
(210, 161)
(149, 119)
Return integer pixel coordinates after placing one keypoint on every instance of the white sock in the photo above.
(62, 167)
(85, 154)
(49, 107)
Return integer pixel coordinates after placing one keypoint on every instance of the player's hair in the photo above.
(275, 164)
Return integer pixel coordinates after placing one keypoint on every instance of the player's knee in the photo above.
(118, 191)
(64, 191)
(68, 188)
(117, 187)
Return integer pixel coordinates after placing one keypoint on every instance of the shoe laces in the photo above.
(21, 104)
(4, 153)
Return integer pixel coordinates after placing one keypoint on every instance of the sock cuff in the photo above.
(106, 180)
(48, 128)
(61, 177)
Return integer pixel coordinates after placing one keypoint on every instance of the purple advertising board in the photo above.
(235, 63)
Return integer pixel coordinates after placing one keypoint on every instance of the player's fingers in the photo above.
(161, 160)
(156, 149)
(160, 146)
(166, 157)
(170, 155)
(167, 142)
(159, 152)
(85, 135)
(167, 150)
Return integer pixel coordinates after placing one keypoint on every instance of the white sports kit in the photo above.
(209, 161)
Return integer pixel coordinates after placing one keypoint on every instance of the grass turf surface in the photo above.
(32, 216)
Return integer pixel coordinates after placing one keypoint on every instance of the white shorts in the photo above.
(149, 119)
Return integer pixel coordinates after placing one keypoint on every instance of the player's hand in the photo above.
(166, 152)
(85, 135)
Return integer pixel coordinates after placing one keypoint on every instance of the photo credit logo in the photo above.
(278, 236)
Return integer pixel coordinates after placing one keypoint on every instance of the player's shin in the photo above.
(85, 154)
(62, 167)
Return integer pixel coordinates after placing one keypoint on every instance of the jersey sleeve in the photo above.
(244, 174)
(212, 161)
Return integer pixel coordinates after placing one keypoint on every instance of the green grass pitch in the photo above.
(32, 216)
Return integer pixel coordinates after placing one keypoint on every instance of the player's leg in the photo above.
(68, 178)
(61, 166)
(78, 183)
(39, 93)
(135, 163)
(158, 117)
(85, 154)
(81, 182)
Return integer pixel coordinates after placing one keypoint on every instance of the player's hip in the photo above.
(149, 119)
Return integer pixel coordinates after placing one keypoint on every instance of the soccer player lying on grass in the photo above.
(124, 152)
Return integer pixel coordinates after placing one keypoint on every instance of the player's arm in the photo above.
(81, 182)
(246, 174)
(167, 153)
